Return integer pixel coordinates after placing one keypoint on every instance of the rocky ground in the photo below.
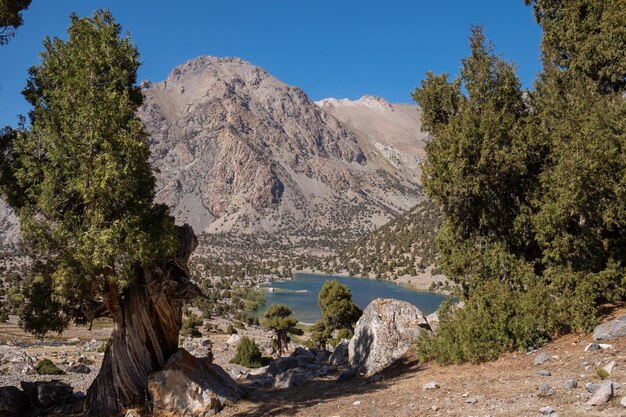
(559, 379)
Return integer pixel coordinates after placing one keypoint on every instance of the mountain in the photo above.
(238, 151)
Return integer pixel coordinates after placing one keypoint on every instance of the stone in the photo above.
(471, 400)
(602, 395)
(609, 367)
(339, 356)
(280, 365)
(78, 368)
(233, 340)
(433, 321)
(544, 372)
(592, 347)
(346, 375)
(545, 390)
(570, 384)
(611, 329)
(357, 403)
(291, 378)
(542, 358)
(200, 348)
(190, 386)
(47, 393)
(13, 402)
(547, 410)
(430, 385)
(623, 402)
(385, 332)
(591, 387)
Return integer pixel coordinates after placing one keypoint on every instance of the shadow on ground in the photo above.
(269, 402)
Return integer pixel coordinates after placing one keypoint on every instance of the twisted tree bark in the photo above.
(147, 317)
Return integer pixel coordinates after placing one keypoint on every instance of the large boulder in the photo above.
(13, 402)
(385, 332)
(46, 394)
(611, 329)
(200, 348)
(292, 378)
(189, 386)
(340, 354)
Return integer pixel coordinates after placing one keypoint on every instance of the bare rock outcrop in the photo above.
(189, 386)
(384, 333)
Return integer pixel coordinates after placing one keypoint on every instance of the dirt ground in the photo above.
(507, 387)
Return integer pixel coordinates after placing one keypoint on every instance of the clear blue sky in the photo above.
(329, 48)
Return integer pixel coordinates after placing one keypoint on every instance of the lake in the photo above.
(300, 294)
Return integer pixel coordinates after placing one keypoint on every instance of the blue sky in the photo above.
(340, 48)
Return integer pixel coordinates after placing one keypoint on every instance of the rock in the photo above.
(611, 329)
(200, 348)
(13, 402)
(45, 394)
(591, 387)
(430, 385)
(346, 375)
(542, 358)
(233, 340)
(291, 378)
(602, 395)
(570, 384)
(304, 356)
(189, 386)
(357, 403)
(609, 367)
(544, 372)
(471, 400)
(433, 321)
(547, 410)
(340, 354)
(78, 368)
(280, 365)
(385, 332)
(623, 402)
(592, 347)
(545, 390)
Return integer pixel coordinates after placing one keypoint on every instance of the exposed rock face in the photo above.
(611, 329)
(46, 394)
(384, 333)
(340, 354)
(239, 150)
(188, 386)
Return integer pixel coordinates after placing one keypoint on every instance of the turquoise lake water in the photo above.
(300, 294)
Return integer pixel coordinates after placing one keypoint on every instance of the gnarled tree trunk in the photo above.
(147, 318)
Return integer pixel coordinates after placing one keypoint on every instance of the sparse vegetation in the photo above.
(248, 354)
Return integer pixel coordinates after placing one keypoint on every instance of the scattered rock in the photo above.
(547, 410)
(542, 358)
(47, 393)
(291, 378)
(610, 330)
(233, 340)
(384, 333)
(340, 354)
(430, 385)
(592, 347)
(357, 403)
(602, 395)
(280, 365)
(591, 387)
(346, 375)
(623, 402)
(191, 386)
(471, 400)
(433, 321)
(544, 372)
(570, 384)
(545, 390)
(78, 368)
(434, 408)
(200, 348)
(13, 402)
(609, 367)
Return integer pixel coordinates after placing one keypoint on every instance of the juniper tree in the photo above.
(279, 318)
(11, 17)
(80, 180)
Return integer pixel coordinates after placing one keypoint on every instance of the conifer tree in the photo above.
(279, 318)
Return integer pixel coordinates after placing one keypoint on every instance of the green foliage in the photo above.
(530, 186)
(47, 367)
(11, 17)
(339, 313)
(230, 329)
(80, 178)
(279, 318)
(190, 326)
(602, 373)
(248, 354)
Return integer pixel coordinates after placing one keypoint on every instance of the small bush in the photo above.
(47, 367)
(248, 354)
(230, 329)
(190, 326)
(602, 373)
